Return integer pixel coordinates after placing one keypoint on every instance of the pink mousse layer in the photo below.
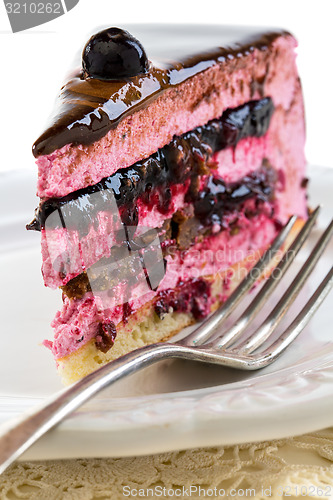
(173, 113)
(282, 145)
(78, 321)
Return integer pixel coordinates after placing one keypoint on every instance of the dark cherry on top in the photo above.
(113, 54)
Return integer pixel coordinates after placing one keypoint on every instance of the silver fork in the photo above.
(205, 344)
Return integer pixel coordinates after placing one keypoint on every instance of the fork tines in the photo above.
(206, 335)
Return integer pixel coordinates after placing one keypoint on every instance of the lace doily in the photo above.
(299, 467)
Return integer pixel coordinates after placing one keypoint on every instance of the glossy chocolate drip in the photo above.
(88, 108)
(185, 157)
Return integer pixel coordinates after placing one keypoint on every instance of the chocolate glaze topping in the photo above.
(88, 108)
(186, 157)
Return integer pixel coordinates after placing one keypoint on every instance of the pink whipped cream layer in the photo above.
(78, 321)
(138, 136)
(282, 145)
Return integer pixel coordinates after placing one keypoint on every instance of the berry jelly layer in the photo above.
(185, 157)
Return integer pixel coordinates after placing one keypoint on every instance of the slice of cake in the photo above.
(163, 180)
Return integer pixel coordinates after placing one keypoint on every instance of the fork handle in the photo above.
(34, 425)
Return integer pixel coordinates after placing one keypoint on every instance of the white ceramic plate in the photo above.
(175, 404)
